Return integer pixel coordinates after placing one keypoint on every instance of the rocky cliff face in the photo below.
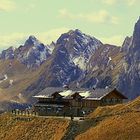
(80, 46)
(129, 81)
(69, 59)
(126, 44)
(33, 53)
(7, 54)
(103, 68)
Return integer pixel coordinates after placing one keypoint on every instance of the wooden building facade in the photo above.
(78, 102)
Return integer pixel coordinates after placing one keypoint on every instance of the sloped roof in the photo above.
(89, 94)
(67, 93)
(47, 92)
(98, 94)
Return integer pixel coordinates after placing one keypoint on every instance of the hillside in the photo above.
(34, 129)
(119, 122)
(116, 109)
(119, 127)
(15, 78)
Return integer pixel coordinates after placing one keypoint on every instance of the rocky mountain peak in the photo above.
(126, 44)
(31, 41)
(33, 53)
(132, 55)
(76, 32)
(79, 46)
(8, 53)
(126, 41)
(130, 76)
(52, 46)
(136, 35)
(32, 37)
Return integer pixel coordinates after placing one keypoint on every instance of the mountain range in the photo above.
(75, 59)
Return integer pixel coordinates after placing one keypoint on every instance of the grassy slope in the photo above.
(22, 76)
(131, 106)
(118, 127)
(36, 129)
(120, 122)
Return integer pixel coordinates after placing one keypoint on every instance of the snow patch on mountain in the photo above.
(109, 60)
(11, 82)
(80, 62)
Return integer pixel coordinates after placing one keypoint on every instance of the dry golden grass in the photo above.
(116, 109)
(118, 122)
(119, 127)
(36, 129)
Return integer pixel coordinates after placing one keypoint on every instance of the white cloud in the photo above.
(114, 40)
(109, 2)
(7, 5)
(127, 2)
(16, 39)
(101, 16)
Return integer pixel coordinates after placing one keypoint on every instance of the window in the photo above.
(104, 100)
(91, 103)
(108, 101)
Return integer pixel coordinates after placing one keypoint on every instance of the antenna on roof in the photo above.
(94, 87)
(77, 84)
(66, 86)
(106, 87)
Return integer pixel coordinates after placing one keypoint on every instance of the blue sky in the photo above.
(108, 20)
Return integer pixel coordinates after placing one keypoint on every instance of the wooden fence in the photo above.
(28, 113)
